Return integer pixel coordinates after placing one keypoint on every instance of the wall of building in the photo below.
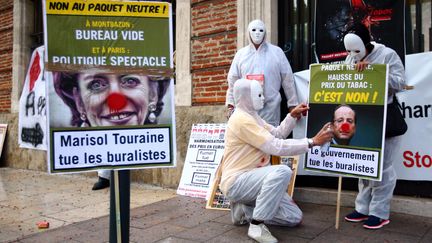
(16, 18)
(213, 45)
(6, 33)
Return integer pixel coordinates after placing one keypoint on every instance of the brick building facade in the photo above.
(6, 48)
(213, 44)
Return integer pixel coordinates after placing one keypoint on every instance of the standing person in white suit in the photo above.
(256, 190)
(372, 204)
(268, 64)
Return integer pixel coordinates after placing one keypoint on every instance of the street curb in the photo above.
(399, 204)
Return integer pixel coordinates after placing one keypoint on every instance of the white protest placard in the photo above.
(345, 161)
(204, 154)
(128, 147)
(32, 123)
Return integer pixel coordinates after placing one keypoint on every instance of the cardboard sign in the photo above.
(205, 151)
(3, 130)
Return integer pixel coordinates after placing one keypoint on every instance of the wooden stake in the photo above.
(338, 202)
(117, 205)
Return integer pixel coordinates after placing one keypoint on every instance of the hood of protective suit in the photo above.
(256, 32)
(355, 47)
(384, 55)
(243, 91)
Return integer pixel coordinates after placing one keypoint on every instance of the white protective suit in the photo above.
(374, 196)
(270, 61)
(259, 190)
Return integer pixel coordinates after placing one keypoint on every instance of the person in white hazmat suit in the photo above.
(372, 204)
(258, 191)
(268, 64)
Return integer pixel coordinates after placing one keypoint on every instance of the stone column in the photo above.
(266, 10)
(183, 88)
(22, 27)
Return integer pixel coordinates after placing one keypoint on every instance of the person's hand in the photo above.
(360, 66)
(324, 135)
(300, 109)
(230, 110)
(290, 109)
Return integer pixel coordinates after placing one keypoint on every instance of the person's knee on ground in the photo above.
(297, 218)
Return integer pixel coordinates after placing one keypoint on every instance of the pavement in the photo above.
(77, 214)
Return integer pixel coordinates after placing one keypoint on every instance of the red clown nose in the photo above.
(345, 127)
(116, 101)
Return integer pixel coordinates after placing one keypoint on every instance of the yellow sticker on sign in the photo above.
(108, 8)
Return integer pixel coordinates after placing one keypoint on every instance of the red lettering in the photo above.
(407, 155)
(381, 12)
(416, 159)
(427, 163)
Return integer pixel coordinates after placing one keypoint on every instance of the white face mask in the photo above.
(257, 31)
(257, 95)
(354, 46)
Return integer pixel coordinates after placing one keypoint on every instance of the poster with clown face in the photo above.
(354, 105)
(111, 92)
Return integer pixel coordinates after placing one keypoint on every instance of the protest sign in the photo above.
(358, 149)
(204, 154)
(32, 123)
(413, 160)
(111, 94)
(118, 36)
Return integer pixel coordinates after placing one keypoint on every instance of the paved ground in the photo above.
(27, 197)
(184, 219)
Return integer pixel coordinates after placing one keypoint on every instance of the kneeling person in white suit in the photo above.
(257, 191)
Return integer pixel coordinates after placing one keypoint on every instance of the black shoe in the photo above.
(374, 222)
(356, 217)
(101, 184)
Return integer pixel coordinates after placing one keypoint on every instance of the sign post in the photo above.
(119, 206)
